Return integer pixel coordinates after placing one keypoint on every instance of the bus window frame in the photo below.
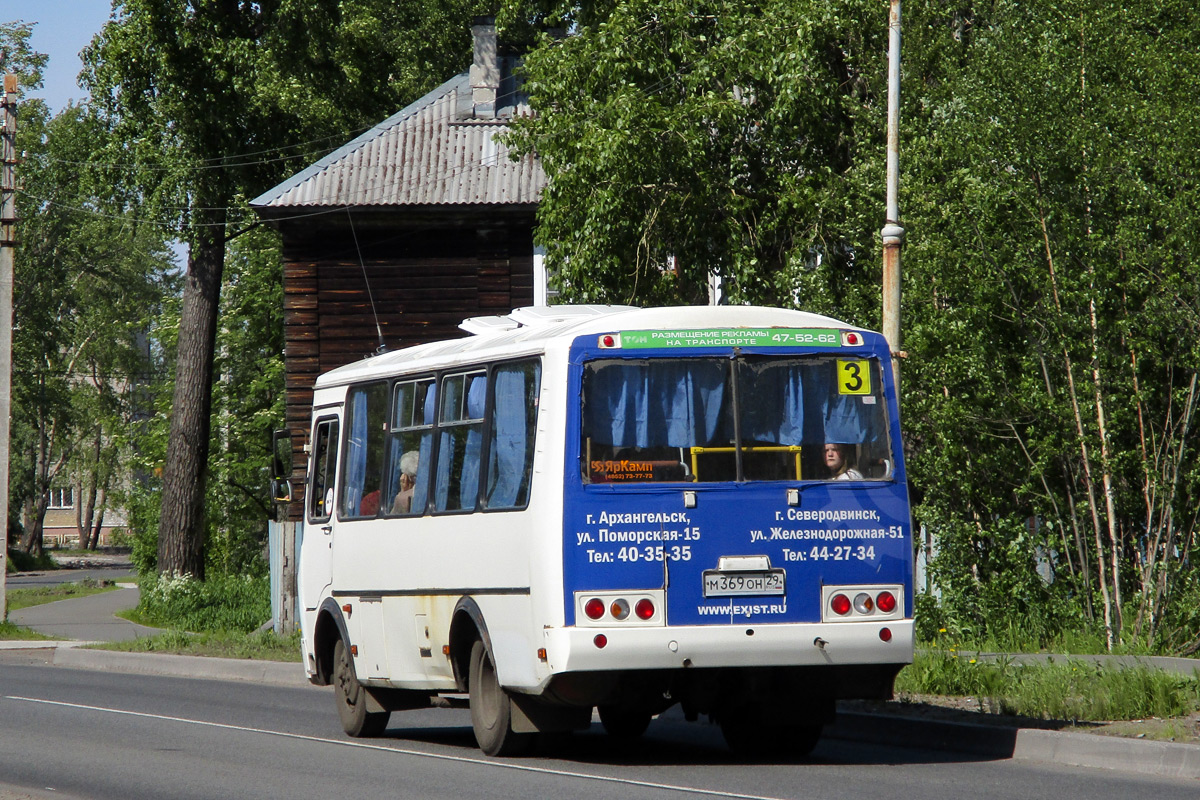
(587, 356)
(395, 430)
(463, 422)
(488, 371)
(332, 461)
(347, 415)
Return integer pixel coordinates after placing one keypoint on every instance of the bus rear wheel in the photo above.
(624, 723)
(491, 712)
(352, 698)
(748, 737)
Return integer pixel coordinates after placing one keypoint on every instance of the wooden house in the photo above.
(398, 236)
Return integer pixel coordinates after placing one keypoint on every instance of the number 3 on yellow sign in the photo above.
(854, 376)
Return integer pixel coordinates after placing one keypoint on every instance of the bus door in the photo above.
(316, 548)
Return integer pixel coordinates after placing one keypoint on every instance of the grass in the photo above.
(1064, 690)
(39, 595)
(266, 646)
(216, 618)
(1014, 637)
(15, 633)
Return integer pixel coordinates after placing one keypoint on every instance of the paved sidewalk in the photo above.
(85, 618)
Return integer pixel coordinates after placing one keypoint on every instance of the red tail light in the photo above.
(840, 604)
(885, 634)
(886, 602)
(644, 608)
(594, 608)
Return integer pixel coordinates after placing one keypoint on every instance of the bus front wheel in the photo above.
(491, 711)
(352, 698)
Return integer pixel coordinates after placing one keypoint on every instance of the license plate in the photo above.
(728, 584)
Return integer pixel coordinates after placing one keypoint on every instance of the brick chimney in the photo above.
(485, 69)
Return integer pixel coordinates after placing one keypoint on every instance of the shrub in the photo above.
(239, 603)
(18, 561)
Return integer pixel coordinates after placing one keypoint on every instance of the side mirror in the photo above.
(281, 466)
(281, 491)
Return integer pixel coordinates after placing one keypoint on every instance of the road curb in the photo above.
(1162, 759)
(268, 672)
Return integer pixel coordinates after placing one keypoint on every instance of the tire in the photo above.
(491, 712)
(351, 698)
(750, 739)
(624, 723)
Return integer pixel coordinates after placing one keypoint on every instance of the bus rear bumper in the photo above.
(702, 647)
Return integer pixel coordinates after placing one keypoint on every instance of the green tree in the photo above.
(85, 284)
(204, 96)
(685, 141)
(1055, 310)
(1052, 308)
(248, 403)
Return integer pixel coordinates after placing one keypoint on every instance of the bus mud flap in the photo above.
(383, 699)
(530, 715)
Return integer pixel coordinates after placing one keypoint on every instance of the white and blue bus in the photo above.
(611, 509)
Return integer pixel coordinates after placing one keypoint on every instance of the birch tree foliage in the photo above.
(1053, 302)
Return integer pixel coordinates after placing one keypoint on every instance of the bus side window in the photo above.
(411, 445)
(320, 488)
(515, 392)
(362, 464)
(460, 442)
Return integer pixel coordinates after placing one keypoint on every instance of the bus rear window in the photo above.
(749, 418)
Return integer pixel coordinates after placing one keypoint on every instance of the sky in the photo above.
(64, 27)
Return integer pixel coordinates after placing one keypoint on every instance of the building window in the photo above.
(62, 497)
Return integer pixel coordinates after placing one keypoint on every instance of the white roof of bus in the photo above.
(529, 330)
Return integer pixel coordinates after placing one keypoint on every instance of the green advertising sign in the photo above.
(732, 337)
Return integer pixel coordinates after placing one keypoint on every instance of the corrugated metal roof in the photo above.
(430, 153)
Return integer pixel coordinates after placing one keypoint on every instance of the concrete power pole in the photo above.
(8, 220)
(893, 232)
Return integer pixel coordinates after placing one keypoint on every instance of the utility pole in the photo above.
(8, 220)
(893, 233)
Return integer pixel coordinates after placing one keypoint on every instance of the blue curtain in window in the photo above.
(851, 418)
(771, 401)
(506, 467)
(425, 459)
(356, 454)
(469, 485)
(664, 403)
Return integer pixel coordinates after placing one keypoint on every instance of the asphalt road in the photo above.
(55, 577)
(77, 734)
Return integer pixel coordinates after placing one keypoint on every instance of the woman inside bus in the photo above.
(402, 503)
(839, 458)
